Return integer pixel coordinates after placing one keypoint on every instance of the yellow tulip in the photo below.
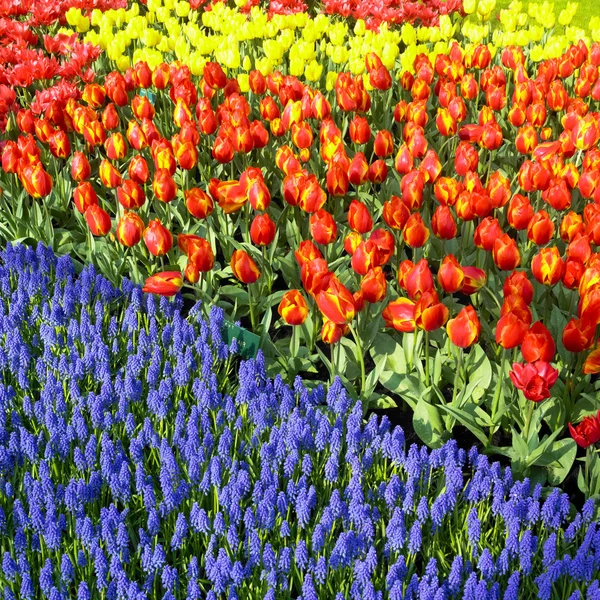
(313, 71)
(469, 6)
(330, 81)
(123, 63)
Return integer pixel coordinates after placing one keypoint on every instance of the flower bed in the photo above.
(135, 462)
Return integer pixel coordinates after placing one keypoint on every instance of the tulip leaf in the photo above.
(387, 350)
(472, 417)
(586, 405)
(479, 371)
(539, 456)
(428, 424)
(564, 452)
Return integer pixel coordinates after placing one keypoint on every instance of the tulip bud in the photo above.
(293, 308)
(158, 238)
(506, 253)
(322, 227)
(465, 328)
(80, 167)
(415, 232)
(35, 180)
(130, 229)
(98, 220)
(164, 186)
(131, 195)
(451, 275)
(374, 285)
(359, 218)
(167, 283)
(84, 196)
(548, 266)
(262, 230)
(243, 267)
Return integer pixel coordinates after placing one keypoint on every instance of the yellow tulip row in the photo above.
(242, 41)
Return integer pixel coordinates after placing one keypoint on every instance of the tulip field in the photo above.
(299, 299)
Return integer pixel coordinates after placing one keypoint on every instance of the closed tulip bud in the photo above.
(259, 195)
(199, 253)
(474, 280)
(130, 229)
(419, 280)
(538, 344)
(395, 213)
(520, 212)
(465, 328)
(312, 196)
(374, 285)
(574, 270)
(109, 175)
(243, 267)
(486, 233)
(138, 170)
(60, 147)
(93, 95)
(167, 283)
(466, 159)
(415, 232)
(191, 273)
(336, 302)
(131, 195)
(516, 305)
(35, 180)
(548, 266)
(26, 121)
(214, 76)
(506, 253)
(332, 333)
(98, 220)
(446, 124)
(164, 186)
(404, 268)
(511, 330)
(404, 160)
(450, 275)
(222, 150)
(578, 335)
(518, 284)
(517, 115)
(443, 224)
(322, 227)
(84, 196)
(526, 139)
(293, 308)
(262, 230)
(198, 203)
(142, 108)
(447, 190)
(315, 275)
(116, 146)
(11, 157)
(337, 181)
(80, 167)
(378, 172)
(359, 218)
(257, 82)
(580, 248)
(358, 172)
(158, 238)
(384, 144)
(110, 118)
(365, 257)
(360, 132)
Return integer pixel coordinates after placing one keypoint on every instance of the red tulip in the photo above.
(167, 283)
(262, 230)
(465, 328)
(400, 315)
(534, 379)
(293, 308)
(336, 302)
(243, 267)
(98, 220)
(130, 229)
(587, 432)
(322, 227)
(374, 285)
(158, 238)
(451, 275)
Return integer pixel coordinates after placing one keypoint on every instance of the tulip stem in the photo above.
(427, 359)
(497, 394)
(359, 357)
(251, 308)
(528, 420)
(457, 374)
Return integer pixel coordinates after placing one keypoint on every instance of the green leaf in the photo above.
(237, 293)
(428, 424)
(479, 372)
(470, 416)
(387, 350)
(381, 401)
(563, 452)
(539, 456)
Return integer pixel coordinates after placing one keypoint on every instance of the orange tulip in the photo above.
(451, 275)
(322, 227)
(262, 230)
(400, 315)
(506, 253)
(336, 302)
(538, 344)
(510, 330)
(359, 218)
(130, 229)
(98, 220)
(158, 238)
(293, 308)
(374, 285)
(131, 195)
(35, 180)
(167, 283)
(430, 313)
(84, 196)
(243, 267)
(465, 328)
(415, 232)
(548, 266)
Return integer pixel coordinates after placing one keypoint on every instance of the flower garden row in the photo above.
(138, 464)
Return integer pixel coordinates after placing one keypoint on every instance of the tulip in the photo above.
(415, 232)
(259, 195)
(35, 180)
(378, 172)
(222, 150)
(312, 196)
(11, 156)
(315, 276)
(167, 283)
(360, 132)
(164, 186)
(60, 147)
(591, 366)
(138, 170)
(293, 308)
(511, 330)
(534, 379)
(331, 333)
(80, 167)
(198, 203)
(84, 196)
(574, 270)
(419, 280)
(322, 227)
(109, 175)
(506, 253)
(548, 266)
(395, 213)
(98, 220)
(306, 252)
(430, 313)
(243, 267)
(538, 344)
(486, 233)
(578, 335)
(366, 256)
(400, 315)
(541, 228)
(450, 275)
(474, 280)
(465, 328)
(516, 305)
(130, 229)
(571, 226)
(587, 432)
(337, 181)
(520, 212)
(518, 284)
(358, 172)
(384, 144)
(359, 218)
(374, 285)
(336, 302)
(158, 238)
(262, 230)
(116, 147)
(443, 224)
(352, 241)
(198, 251)
(131, 195)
